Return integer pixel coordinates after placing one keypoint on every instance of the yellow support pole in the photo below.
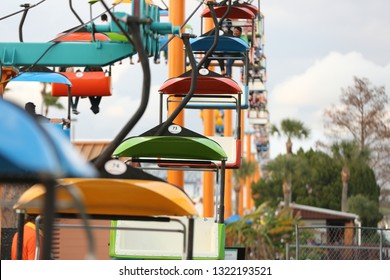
(249, 178)
(240, 211)
(254, 179)
(208, 177)
(241, 195)
(176, 68)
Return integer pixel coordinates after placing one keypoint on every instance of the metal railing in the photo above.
(340, 243)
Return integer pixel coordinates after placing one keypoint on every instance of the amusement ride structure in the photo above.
(117, 185)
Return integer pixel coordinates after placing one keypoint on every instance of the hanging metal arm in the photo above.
(228, 4)
(183, 25)
(25, 11)
(133, 23)
(194, 76)
(74, 12)
(216, 36)
(195, 68)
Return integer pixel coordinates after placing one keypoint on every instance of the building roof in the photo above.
(316, 213)
(91, 149)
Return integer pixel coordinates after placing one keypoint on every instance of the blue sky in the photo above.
(313, 49)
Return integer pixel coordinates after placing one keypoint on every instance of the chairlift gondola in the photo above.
(129, 195)
(30, 153)
(213, 91)
(179, 148)
(54, 79)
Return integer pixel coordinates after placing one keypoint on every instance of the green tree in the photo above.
(363, 181)
(291, 129)
(247, 168)
(283, 168)
(320, 185)
(264, 232)
(267, 191)
(48, 100)
(368, 210)
(347, 153)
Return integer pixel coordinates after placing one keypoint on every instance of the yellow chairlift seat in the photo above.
(117, 197)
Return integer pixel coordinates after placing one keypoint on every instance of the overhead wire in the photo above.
(54, 40)
(21, 11)
(184, 24)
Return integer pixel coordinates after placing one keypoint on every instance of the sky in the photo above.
(313, 49)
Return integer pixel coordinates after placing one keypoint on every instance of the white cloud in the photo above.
(305, 96)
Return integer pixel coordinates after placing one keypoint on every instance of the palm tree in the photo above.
(346, 153)
(247, 168)
(291, 128)
(48, 100)
(284, 168)
(264, 232)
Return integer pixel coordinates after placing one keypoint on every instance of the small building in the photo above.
(325, 217)
(328, 231)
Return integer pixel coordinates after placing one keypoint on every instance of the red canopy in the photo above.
(235, 12)
(205, 85)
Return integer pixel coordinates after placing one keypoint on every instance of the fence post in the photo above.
(380, 244)
(296, 242)
(287, 251)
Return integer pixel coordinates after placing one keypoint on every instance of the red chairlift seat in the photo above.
(236, 12)
(81, 37)
(204, 85)
(85, 84)
(245, 12)
(251, 7)
(213, 92)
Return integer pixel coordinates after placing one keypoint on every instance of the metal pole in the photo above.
(287, 251)
(380, 244)
(21, 220)
(37, 237)
(221, 217)
(26, 8)
(190, 248)
(296, 242)
(49, 216)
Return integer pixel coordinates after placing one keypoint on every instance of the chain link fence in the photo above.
(339, 243)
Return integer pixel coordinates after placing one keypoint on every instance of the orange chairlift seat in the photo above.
(81, 37)
(84, 35)
(93, 85)
(85, 84)
(213, 91)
